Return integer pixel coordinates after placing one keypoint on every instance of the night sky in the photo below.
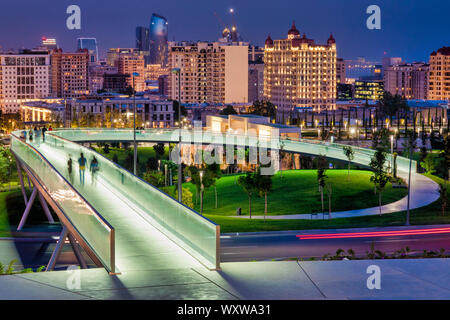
(411, 29)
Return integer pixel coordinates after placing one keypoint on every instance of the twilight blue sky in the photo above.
(411, 29)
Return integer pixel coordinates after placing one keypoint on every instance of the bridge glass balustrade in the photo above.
(95, 230)
(191, 231)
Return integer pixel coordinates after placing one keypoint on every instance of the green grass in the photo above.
(11, 210)
(297, 193)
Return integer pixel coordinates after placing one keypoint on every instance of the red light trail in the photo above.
(413, 232)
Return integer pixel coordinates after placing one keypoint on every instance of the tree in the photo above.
(321, 178)
(215, 174)
(380, 139)
(350, 154)
(428, 164)
(175, 109)
(201, 182)
(390, 105)
(154, 178)
(264, 108)
(228, 110)
(264, 186)
(248, 183)
(443, 194)
(159, 150)
(380, 177)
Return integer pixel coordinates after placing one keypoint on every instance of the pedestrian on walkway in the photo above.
(82, 167)
(69, 169)
(50, 128)
(30, 135)
(44, 129)
(94, 169)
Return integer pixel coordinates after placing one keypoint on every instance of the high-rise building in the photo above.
(163, 85)
(143, 42)
(131, 63)
(368, 89)
(211, 72)
(408, 80)
(439, 77)
(115, 82)
(97, 74)
(255, 81)
(113, 54)
(158, 40)
(340, 71)
(299, 73)
(142, 39)
(255, 54)
(23, 77)
(154, 71)
(91, 45)
(70, 74)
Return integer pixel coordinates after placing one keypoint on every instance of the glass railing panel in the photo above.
(191, 231)
(94, 230)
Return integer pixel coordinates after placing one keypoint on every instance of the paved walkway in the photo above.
(424, 191)
(400, 279)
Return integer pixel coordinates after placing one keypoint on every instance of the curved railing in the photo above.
(362, 156)
(94, 230)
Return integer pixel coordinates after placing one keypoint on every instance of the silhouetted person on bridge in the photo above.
(94, 169)
(82, 167)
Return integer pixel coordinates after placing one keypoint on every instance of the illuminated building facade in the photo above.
(130, 63)
(23, 77)
(70, 74)
(158, 40)
(211, 72)
(299, 73)
(369, 89)
(407, 80)
(439, 77)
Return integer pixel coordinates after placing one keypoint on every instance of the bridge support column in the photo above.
(65, 234)
(29, 202)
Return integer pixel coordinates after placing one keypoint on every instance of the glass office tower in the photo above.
(143, 42)
(158, 40)
(91, 45)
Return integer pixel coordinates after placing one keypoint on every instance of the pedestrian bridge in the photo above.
(122, 222)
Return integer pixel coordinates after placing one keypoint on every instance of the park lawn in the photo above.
(144, 153)
(429, 215)
(11, 210)
(297, 193)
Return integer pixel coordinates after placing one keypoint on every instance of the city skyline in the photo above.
(254, 20)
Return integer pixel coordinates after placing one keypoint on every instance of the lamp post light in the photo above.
(135, 74)
(392, 152)
(201, 192)
(180, 171)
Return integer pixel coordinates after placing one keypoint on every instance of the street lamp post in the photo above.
(392, 152)
(201, 192)
(180, 171)
(135, 74)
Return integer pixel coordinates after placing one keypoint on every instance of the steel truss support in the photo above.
(65, 234)
(29, 202)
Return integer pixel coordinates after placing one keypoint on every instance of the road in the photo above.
(267, 246)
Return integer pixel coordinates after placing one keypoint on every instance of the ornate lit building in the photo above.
(439, 77)
(299, 73)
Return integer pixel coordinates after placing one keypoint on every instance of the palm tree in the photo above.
(350, 154)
